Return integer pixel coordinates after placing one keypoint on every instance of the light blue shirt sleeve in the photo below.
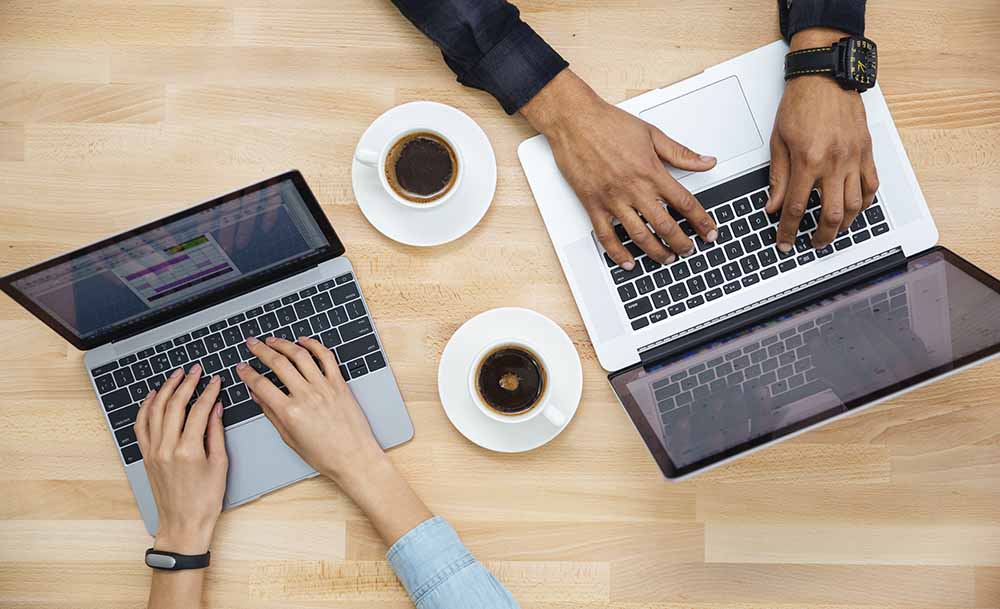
(438, 572)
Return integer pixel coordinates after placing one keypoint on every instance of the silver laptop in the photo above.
(262, 261)
(644, 317)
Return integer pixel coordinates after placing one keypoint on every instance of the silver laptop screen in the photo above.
(813, 363)
(167, 265)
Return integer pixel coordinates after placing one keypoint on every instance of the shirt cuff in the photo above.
(845, 15)
(427, 556)
(516, 68)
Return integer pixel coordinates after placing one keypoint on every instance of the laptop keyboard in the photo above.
(331, 312)
(780, 364)
(744, 254)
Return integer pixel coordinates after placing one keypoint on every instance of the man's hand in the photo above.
(186, 466)
(614, 162)
(820, 137)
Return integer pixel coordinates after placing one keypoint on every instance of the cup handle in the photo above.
(367, 157)
(554, 414)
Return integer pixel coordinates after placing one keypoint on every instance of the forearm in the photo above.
(176, 589)
(380, 491)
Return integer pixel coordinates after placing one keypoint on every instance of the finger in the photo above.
(800, 184)
(605, 233)
(664, 226)
(853, 201)
(299, 356)
(780, 164)
(159, 405)
(684, 202)
(679, 155)
(869, 177)
(142, 422)
(215, 440)
(642, 236)
(266, 394)
(331, 370)
(197, 419)
(277, 362)
(831, 215)
(176, 409)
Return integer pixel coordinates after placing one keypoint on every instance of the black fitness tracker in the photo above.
(851, 61)
(169, 561)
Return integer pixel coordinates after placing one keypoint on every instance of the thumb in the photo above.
(678, 155)
(780, 162)
(215, 437)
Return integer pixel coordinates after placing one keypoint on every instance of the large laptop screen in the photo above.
(813, 363)
(123, 282)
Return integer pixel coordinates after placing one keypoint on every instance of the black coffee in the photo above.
(510, 380)
(421, 167)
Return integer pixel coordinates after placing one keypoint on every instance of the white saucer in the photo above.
(565, 374)
(453, 218)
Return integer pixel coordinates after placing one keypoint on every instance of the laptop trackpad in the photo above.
(259, 461)
(714, 120)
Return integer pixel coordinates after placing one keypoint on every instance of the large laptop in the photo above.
(641, 321)
(262, 261)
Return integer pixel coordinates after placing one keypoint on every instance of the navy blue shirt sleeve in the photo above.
(846, 15)
(488, 46)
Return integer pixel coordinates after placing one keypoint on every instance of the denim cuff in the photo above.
(427, 556)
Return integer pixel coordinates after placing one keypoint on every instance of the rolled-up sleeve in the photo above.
(488, 46)
(438, 572)
(845, 15)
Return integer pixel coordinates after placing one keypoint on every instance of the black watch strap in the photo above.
(810, 61)
(170, 561)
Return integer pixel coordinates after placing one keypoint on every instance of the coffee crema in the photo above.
(421, 167)
(511, 380)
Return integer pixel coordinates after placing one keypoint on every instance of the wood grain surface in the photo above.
(115, 112)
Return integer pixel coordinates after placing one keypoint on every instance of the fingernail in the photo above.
(252, 340)
(670, 258)
(712, 236)
(271, 340)
(628, 266)
(218, 409)
(302, 339)
(195, 370)
(215, 379)
(176, 373)
(689, 252)
(151, 393)
(706, 158)
(241, 366)
(785, 247)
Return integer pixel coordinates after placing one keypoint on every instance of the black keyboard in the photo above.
(332, 312)
(744, 254)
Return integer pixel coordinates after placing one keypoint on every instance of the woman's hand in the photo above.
(318, 417)
(614, 162)
(185, 459)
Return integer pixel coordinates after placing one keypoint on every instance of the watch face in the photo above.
(862, 62)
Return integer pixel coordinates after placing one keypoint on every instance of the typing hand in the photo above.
(614, 162)
(318, 417)
(820, 137)
(186, 468)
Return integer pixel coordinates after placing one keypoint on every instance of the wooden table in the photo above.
(116, 112)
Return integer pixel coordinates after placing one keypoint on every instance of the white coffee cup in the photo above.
(545, 405)
(377, 159)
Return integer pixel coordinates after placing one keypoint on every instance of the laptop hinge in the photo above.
(772, 306)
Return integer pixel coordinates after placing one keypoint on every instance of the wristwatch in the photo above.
(851, 61)
(170, 561)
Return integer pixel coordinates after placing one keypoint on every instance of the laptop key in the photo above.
(803, 243)
(660, 299)
(724, 213)
(287, 300)
(751, 243)
(713, 294)
(196, 349)
(680, 270)
(741, 227)
(230, 357)
(649, 265)
(348, 291)
(734, 250)
(862, 236)
(214, 342)
(125, 436)
(123, 377)
(330, 338)
(138, 391)
(212, 364)
(235, 319)
(156, 381)
(147, 353)
(357, 348)
(759, 199)
(238, 413)
(825, 251)
(304, 309)
(218, 326)
(805, 258)
(355, 309)
(725, 234)
(714, 278)
(767, 257)
(639, 324)
(620, 275)
(695, 301)
(178, 357)
(128, 359)
(344, 278)
(232, 335)
(131, 454)
(696, 285)
(344, 372)
(301, 328)
(627, 292)
(104, 383)
(750, 280)
(319, 323)
(102, 370)
(180, 340)
(841, 244)
(731, 271)
(731, 287)
(749, 264)
(284, 333)
(768, 272)
(657, 316)
(238, 392)
(308, 292)
(880, 229)
(874, 214)
(359, 371)
(163, 347)
(677, 292)
(338, 316)
(662, 278)
(226, 378)
(123, 416)
(698, 264)
(274, 305)
(322, 301)
(268, 322)
(286, 315)
(250, 328)
(769, 236)
(644, 285)
(717, 257)
(742, 206)
(758, 220)
(859, 222)
(676, 309)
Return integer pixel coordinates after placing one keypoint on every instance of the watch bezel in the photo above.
(845, 70)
